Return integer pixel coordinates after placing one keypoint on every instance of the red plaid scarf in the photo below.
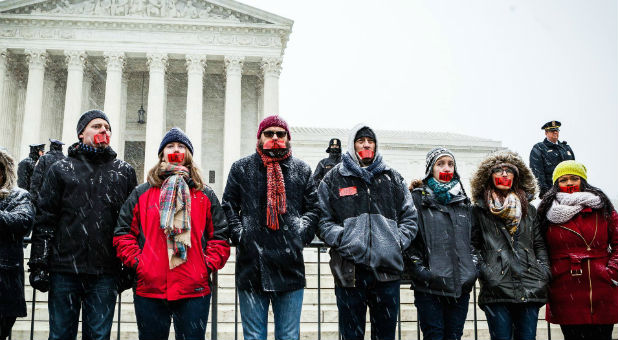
(275, 189)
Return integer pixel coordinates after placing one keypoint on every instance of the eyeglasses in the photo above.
(270, 134)
(499, 171)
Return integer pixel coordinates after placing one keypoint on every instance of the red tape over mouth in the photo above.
(366, 154)
(274, 144)
(446, 176)
(569, 189)
(101, 138)
(507, 182)
(175, 157)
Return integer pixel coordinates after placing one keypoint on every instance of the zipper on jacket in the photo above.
(369, 215)
(578, 234)
(590, 283)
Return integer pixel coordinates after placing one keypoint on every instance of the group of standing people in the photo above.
(96, 233)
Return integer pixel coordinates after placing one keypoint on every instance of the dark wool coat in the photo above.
(41, 167)
(24, 172)
(512, 269)
(270, 260)
(584, 286)
(77, 211)
(441, 260)
(324, 166)
(141, 243)
(544, 158)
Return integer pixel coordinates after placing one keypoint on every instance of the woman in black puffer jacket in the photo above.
(16, 216)
(514, 271)
(440, 260)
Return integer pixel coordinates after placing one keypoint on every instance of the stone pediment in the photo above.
(224, 11)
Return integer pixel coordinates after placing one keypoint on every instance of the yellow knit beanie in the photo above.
(569, 168)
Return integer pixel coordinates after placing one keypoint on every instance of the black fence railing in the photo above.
(214, 307)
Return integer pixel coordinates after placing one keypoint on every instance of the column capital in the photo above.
(195, 63)
(157, 62)
(233, 64)
(36, 58)
(4, 56)
(115, 61)
(271, 66)
(75, 59)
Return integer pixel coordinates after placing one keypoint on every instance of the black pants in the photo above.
(587, 332)
(6, 323)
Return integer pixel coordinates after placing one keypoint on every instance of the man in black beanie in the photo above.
(72, 254)
(26, 166)
(334, 158)
(42, 165)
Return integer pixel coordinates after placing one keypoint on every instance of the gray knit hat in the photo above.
(433, 156)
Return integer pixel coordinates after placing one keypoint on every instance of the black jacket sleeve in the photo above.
(416, 255)
(18, 217)
(47, 216)
(318, 174)
(232, 204)
(37, 178)
(310, 211)
(537, 165)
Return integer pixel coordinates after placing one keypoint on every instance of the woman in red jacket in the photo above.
(173, 231)
(582, 234)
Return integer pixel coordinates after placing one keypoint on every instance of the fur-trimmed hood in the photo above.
(525, 178)
(8, 164)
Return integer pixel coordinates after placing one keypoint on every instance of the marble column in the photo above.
(272, 69)
(87, 89)
(31, 126)
(123, 116)
(195, 89)
(17, 106)
(6, 124)
(232, 119)
(113, 93)
(73, 99)
(155, 116)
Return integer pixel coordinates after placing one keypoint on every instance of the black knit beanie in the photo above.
(87, 117)
(175, 135)
(365, 132)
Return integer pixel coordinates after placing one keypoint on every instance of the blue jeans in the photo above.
(94, 294)
(382, 298)
(508, 321)
(286, 309)
(441, 317)
(154, 317)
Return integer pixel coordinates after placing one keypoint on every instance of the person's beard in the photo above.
(275, 153)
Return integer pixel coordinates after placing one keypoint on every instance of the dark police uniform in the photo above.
(545, 156)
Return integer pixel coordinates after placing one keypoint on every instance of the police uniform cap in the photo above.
(55, 141)
(37, 146)
(551, 126)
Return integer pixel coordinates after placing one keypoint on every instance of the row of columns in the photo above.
(37, 60)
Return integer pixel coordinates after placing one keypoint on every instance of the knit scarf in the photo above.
(175, 211)
(367, 173)
(442, 190)
(565, 206)
(509, 211)
(275, 189)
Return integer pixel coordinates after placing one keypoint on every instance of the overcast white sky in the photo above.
(495, 69)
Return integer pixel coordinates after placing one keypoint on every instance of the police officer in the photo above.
(546, 155)
(25, 168)
(334, 158)
(45, 162)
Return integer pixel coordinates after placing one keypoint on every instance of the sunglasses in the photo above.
(499, 171)
(270, 134)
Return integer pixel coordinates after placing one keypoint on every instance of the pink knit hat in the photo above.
(273, 121)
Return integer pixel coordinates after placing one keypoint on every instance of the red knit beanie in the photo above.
(273, 121)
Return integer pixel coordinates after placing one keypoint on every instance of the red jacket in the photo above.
(140, 243)
(584, 286)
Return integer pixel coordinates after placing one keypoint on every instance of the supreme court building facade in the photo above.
(209, 67)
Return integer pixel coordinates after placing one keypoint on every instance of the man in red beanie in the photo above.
(271, 206)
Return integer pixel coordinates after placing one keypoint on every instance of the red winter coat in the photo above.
(140, 243)
(584, 282)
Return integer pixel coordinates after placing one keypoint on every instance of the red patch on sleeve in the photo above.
(349, 191)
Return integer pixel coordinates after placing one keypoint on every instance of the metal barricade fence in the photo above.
(214, 307)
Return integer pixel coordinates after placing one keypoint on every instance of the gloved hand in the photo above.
(39, 279)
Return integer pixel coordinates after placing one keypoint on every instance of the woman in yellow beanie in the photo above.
(580, 225)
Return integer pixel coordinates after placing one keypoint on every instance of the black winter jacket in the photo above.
(369, 225)
(41, 167)
(16, 217)
(544, 158)
(78, 208)
(324, 166)
(24, 172)
(512, 269)
(270, 260)
(441, 258)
